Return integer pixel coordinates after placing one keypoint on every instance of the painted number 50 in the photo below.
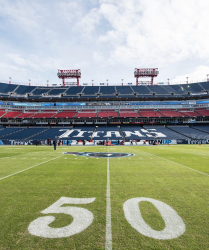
(82, 218)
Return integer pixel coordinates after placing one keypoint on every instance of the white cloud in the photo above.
(104, 38)
(197, 74)
(157, 32)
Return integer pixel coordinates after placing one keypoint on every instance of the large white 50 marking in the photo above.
(174, 225)
(82, 218)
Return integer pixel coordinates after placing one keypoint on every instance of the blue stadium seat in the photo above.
(190, 132)
(6, 88)
(22, 90)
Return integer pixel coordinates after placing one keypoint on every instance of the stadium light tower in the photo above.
(207, 77)
(92, 82)
(151, 72)
(168, 81)
(187, 79)
(29, 81)
(10, 78)
(71, 73)
(122, 81)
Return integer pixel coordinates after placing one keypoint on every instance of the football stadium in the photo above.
(101, 166)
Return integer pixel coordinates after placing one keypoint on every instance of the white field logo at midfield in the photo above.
(100, 154)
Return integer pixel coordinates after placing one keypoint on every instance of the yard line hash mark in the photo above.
(28, 168)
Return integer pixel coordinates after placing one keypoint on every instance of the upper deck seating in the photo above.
(180, 89)
(56, 91)
(90, 90)
(190, 132)
(169, 89)
(7, 88)
(124, 90)
(39, 91)
(194, 88)
(141, 90)
(158, 90)
(74, 90)
(107, 90)
(23, 89)
(205, 85)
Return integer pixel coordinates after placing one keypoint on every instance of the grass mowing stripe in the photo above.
(28, 168)
(108, 243)
(178, 164)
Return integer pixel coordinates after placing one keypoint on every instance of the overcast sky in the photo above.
(106, 39)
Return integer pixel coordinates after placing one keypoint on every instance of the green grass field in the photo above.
(33, 178)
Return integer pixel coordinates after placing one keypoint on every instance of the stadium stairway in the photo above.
(95, 129)
(161, 113)
(37, 133)
(198, 129)
(122, 134)
(150, 133)
(2, 137)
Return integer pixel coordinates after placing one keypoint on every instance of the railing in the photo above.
(141, 83)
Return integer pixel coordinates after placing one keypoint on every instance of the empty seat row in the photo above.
(103, 91)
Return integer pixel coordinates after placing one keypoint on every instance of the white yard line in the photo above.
(108, 243)
(178, 164)
(29, 168)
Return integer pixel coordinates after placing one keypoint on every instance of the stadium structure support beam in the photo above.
(151, 72)
(71, 73)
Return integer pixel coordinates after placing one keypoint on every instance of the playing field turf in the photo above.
(156, 199)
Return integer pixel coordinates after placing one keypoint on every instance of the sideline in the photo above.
(108, 242)
(178, 164)
(29, 168)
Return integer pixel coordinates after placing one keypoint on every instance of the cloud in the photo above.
(102, 37)
(197, 74)
(158, 32)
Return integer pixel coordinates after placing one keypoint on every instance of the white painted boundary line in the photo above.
(108, 243)
(28, 168)
(179, 164)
